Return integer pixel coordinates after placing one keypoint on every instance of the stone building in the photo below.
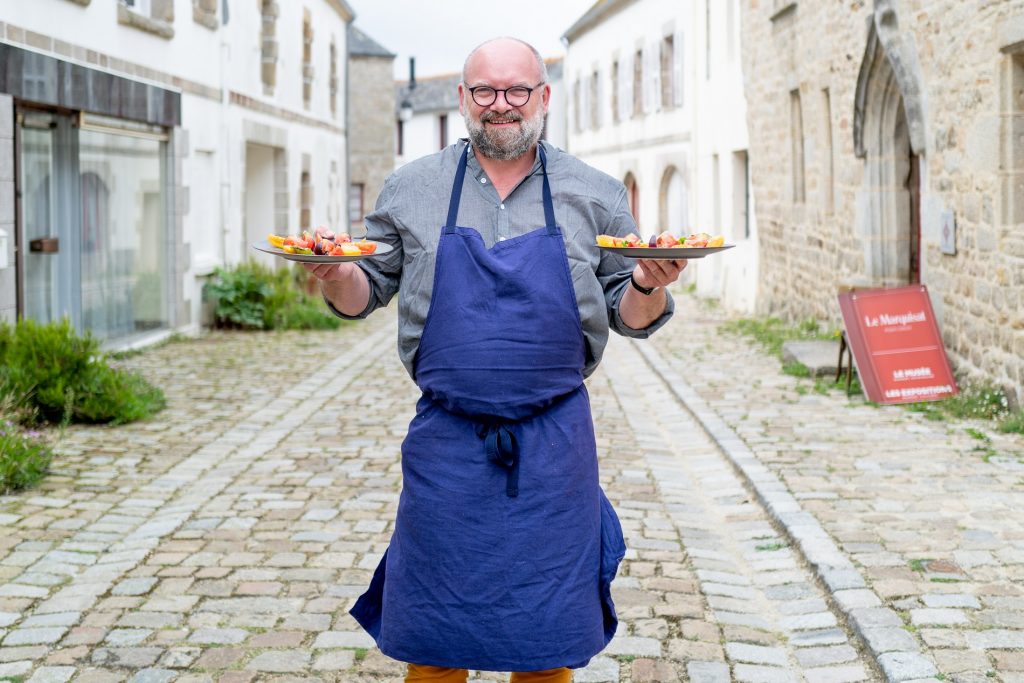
(143, 143)
(891, 153)
(656, 99)
(371, 123)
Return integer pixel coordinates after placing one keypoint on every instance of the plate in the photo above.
(671, 253)
(266, 248)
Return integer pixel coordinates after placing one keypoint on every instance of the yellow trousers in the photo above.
(437, 674)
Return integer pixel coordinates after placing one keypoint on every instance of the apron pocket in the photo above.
(613, 549)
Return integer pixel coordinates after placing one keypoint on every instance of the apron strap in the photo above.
(503, 450)
(460, 177)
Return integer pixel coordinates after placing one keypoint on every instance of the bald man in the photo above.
(505, 545)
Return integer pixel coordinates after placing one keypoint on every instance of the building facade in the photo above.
(371, 124)
(143, 143)
(655, 98)
(891, 154)
(427, 117)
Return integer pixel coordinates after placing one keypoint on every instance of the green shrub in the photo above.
(55, 374)
(251, 296)
(24, 457)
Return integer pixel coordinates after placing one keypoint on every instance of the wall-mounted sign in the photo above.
(947, 236)
(896, 345)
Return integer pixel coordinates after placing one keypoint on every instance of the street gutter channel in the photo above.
(877, 627)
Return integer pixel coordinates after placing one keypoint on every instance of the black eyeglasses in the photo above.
(517, 96)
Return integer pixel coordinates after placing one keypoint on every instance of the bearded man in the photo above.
(504, 546)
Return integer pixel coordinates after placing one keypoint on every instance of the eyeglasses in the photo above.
(517, 96)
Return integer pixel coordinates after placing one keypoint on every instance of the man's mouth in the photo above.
(494, 121)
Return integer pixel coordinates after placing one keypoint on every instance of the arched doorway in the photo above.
(889, 136)
(673, 204)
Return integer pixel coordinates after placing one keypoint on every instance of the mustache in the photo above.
(492, 116)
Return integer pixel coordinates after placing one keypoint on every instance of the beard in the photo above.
(509, 143)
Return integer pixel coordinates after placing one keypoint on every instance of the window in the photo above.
(307, 58)
(333, 81)
(268, 46)
(577, 116)
(668, 58)
(305, 199)
(638, 83)
(1013, 139)
(615, 91)
(355, 206)
(595, 102)
(442, 130)
(633, 197)
(796, 133)
(154, 16)
(740, 194)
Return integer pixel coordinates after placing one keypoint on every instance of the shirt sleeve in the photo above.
(383, 272)
(614, 270)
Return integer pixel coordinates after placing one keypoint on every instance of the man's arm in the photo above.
(345, 285)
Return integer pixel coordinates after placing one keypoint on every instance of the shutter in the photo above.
(656, 75)
(678, 82)
(626, 86)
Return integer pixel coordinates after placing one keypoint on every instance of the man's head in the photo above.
(507, 127)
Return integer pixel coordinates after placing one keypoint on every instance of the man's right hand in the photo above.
(344, 284)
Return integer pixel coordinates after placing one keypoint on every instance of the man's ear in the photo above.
(546, 96)
(462, 95)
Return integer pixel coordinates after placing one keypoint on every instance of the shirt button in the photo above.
(502, 207)
(483, 181)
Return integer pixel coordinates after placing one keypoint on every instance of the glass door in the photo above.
(47, 165)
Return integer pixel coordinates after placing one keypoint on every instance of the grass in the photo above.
(767, 547)
(975, 400)
(361, 653)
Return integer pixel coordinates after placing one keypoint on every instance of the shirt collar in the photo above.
(474, 166)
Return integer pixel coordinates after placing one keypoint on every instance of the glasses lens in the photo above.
(484, 96)
(517, 97)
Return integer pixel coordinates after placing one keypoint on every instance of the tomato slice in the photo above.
(366, 247)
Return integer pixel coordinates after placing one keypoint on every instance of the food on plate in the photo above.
(666, 240)
(323, 242)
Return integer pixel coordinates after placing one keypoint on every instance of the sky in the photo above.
(440, 33)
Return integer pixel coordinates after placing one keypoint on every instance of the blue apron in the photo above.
(504, 546)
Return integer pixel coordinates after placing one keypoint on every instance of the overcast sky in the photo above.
(440, 33)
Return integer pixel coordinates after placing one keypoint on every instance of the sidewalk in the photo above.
(226, 539)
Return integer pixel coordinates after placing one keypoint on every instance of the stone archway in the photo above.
(889, 135)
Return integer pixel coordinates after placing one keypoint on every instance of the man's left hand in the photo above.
(658, 273)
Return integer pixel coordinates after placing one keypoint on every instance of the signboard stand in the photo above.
(896, 344)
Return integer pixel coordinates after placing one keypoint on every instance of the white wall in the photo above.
(711, 119)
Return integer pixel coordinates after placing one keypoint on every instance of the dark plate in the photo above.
(671, 254)
(266, 248)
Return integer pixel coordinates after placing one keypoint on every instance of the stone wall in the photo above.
(371, 122)
(957, 68)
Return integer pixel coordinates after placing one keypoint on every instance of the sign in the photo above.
(896, 345)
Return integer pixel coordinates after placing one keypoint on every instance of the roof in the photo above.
(440, 93)
(601, 10)
(362, 45)
(436, 93)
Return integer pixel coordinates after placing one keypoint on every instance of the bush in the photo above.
(251, 296)
(24, 457)
(53, 374)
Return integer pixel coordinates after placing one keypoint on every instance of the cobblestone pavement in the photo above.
(921, 535)
(226, 539)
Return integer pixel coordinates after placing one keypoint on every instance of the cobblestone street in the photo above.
(774, 533)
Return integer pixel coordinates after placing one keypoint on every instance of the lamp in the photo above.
(405, 110)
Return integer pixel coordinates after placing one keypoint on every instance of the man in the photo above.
(504, 546)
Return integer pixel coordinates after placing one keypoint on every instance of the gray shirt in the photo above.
(413, 206)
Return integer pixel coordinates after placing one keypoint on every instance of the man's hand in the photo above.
(640, 310)
(658, 273)
(344, 284)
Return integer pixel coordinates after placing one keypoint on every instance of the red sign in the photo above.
(896, 345)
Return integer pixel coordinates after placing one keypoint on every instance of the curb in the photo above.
(879, 628)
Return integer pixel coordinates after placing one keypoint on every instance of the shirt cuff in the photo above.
(627, 331)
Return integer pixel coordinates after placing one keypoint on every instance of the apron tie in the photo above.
(503, 450)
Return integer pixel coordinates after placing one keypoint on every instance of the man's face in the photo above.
(502, 130)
